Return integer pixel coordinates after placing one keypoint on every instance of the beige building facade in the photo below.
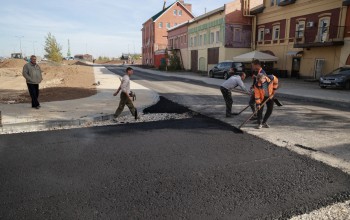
(217, 36)
(308, 36)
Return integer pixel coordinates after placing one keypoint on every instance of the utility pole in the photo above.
(68, 52)
(20, 42)
(34, 47)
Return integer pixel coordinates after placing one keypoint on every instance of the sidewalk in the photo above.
(21, 117)
(289, 88)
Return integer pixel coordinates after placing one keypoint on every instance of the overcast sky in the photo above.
(98, 27)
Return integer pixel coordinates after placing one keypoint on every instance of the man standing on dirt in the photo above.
(125, 97)
(32, 74)
(227, 86)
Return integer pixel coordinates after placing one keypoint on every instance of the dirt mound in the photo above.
(60, 82)
(12, 63)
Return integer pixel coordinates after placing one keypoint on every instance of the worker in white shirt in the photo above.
(125, 97)
(226, 90)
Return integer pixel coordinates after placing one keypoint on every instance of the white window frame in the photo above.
(212, 38)
(179, 13)
(200, 40)
(261, 34)
(300, 29)
(322, 37)
(168, 25)
(217, 37)
(276, 30)
(175, 12)
(160, 25)
(195, 40)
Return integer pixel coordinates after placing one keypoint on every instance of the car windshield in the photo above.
(340, 70)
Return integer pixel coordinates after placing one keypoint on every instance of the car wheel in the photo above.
(347, 85)
(226, 76)
(211, 74)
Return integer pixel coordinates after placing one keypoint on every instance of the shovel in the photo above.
(256, 111)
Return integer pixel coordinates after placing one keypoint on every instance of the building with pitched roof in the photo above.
(154, 31)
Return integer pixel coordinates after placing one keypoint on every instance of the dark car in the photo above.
(223, 69)
(338, 78)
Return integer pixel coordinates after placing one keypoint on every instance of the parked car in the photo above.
(68, 58)
(338, 78)
(223, 69)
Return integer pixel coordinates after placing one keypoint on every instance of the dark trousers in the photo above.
(228, 99)
(252, 103)
(125, 100)
(34, 94)
(269, 105)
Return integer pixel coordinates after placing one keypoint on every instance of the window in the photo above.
(191, 42)
(211, 37)
(261, 34)
(160, 24)
(276, 32)
(195, 41)
(217, 36)
(237, 35)
(185, 38)
(175, 12)
(323, 29)
(200, 40)
(205, 39)
(300, 28)
(180, 13)
(175, 24)
(168, 25)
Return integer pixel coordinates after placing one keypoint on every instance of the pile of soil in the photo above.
(13, 63)
(60, 82)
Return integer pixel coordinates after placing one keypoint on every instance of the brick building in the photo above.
(154, 31)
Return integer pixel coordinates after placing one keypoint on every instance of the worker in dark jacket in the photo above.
(257, 69)
(32, 73)
(264, 90)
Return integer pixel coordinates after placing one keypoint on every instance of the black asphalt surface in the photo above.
(196, 168)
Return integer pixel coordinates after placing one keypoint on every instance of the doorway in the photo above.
(194, 60)
(296, 67)
(319, 63)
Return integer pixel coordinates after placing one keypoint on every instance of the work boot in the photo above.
(259, 126)
(265, 125)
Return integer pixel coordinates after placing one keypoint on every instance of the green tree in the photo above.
(52, 48)
(175, 63)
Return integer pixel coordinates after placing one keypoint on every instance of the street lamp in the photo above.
(20, 43)
(34, 47)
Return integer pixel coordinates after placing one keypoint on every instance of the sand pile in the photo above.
(13, 63)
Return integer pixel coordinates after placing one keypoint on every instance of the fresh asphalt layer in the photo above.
(192, 168)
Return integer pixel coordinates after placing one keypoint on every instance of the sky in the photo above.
(98, 27)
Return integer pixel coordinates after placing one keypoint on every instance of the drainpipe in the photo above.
(253, 24)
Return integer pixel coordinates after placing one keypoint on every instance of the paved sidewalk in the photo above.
(21, 117)
(289, 88)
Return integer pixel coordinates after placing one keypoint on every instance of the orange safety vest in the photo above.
(260, 92)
